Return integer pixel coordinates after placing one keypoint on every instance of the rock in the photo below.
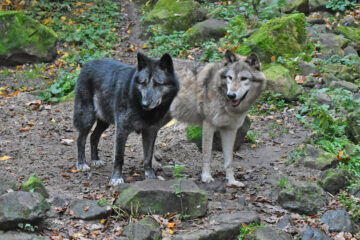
(295, 5)
(352, 33)
(173, 15)
(315, 20)
(350, 50)
(146, 229)
(353, 127)
(284, 222)
(88, 209)
(21, 207)
(34, 184)
(206, 30)
(343, 72)
(314, 234)
(307, 68)
(158, 197)
(317, 158)
(317, 5)
(338, 221)
(269, 233)
(20, 236)
(194, 134)
(331, 44)
(323, 98)
(349, 21)
(24, 40)
(316, 30)
(344, 84)
(223, 226)
(302, 198)
(334, 179)
(6, 186)
(285, 36)
(280, 81)
(355, 191)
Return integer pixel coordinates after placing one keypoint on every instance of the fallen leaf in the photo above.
(144, 46)
(102, 221)
(52, 120)
(4, 158)
(74, 171)
(67, 141)
(30, 123)
(273, 59)
(172, 122)
(24, 129)
(65, 176)
(86, 208)
(163, 144)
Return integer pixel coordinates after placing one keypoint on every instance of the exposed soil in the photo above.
(47, 148)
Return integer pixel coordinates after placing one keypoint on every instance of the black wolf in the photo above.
(134, 98)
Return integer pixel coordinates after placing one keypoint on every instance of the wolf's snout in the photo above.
(145, 104)
(231, 95)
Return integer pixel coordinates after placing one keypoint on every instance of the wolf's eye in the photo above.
(244, 78)
(141, 81)
(157, 83)
(229, 77)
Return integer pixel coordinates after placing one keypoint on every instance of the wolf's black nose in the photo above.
(145, 104)
(231, 95)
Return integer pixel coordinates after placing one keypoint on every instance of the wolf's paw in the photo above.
(206, 178)
(97, 163)
(150, 174)
(116, 181)
(235, 183)
(83, 167)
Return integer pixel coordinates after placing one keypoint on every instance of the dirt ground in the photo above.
(41, 139)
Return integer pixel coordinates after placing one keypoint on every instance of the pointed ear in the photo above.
(254, 61)
(166, 63)
(230, 57)
(142, 60)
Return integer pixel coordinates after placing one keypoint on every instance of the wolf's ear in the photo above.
(166, 63)
(142, 60)
(230, 57)
(254, 61)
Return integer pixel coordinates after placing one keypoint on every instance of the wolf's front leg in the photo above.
(121, 135)
(148, 140)
(207, 140)
(227, 142)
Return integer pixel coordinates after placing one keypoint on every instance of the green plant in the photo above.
(351, 204)
(283, 183)
(249, 230)
(211, 53)
(341, 5)
(252, 137)
(102, 202)
(27, 227)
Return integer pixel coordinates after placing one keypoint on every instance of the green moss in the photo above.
(325, 157)
(34, 184)
(194, 134)
(23, 31)
(350, 32)
(285, 36)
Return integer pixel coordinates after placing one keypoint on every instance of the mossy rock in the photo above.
(343, 72)
(173, 15)
(353, 127)
(24, 40)
(317, 158)
(350, 32)
(146, 229)
(206, 30)
(34, 184)
(284, 36)
(334, 179)
(279, 80)
(194, 134)
(296, 5)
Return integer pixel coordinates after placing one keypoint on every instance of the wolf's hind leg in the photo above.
(207, 140)
(148, 140)
(227, 141)
(101, 126)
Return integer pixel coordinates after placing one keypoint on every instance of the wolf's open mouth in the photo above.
(237, 102)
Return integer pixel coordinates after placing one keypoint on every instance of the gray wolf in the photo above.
(217, 97)
(134, 98)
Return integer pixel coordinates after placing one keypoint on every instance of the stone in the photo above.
(343, 72)
(206, 30)
(350, 50)
(24, 40)
(314, 234)
(352, 33)
(315, 20)
(295, 5)
(317, 158)
(355, 191)
(317, 5)
(353, 127)
(269, 233)
(88, 209)
(21, 207)
(307, 68)
(279, 80)
(146, 229)
(302, 198)
(12, 235)
(158, 197)
(284, 222)
(344, 84)
(285, 36)
(173, 15)
(315, 30)
(6, 186)
(349, 21)
(194, 134)
(222, 226)
(34, 184)
(338, 221)
(331, 44)
(333, 180)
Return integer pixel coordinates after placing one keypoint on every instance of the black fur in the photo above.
(135, 98)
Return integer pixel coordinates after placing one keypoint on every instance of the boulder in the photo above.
(353, 127)
(331, 44)
(302, 198)
(317, 5)
(34, 184)
(315, 30)
(344, 84)
(296, 5)
(21, 207)
(307, 68)
(312, 233)
(279, 80)
(173, 15)
(206, 30)
(146, 229)
(194, 134)
(343, 72)
(6, 186)
(355, 191)
(285, 36)
(223, 226)
(158, 197)
(333, 180)
(88, 209)
(317, 158)
(338, 221)
(25, 40)
(352, 33)
(12, 235)
(269, 233)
